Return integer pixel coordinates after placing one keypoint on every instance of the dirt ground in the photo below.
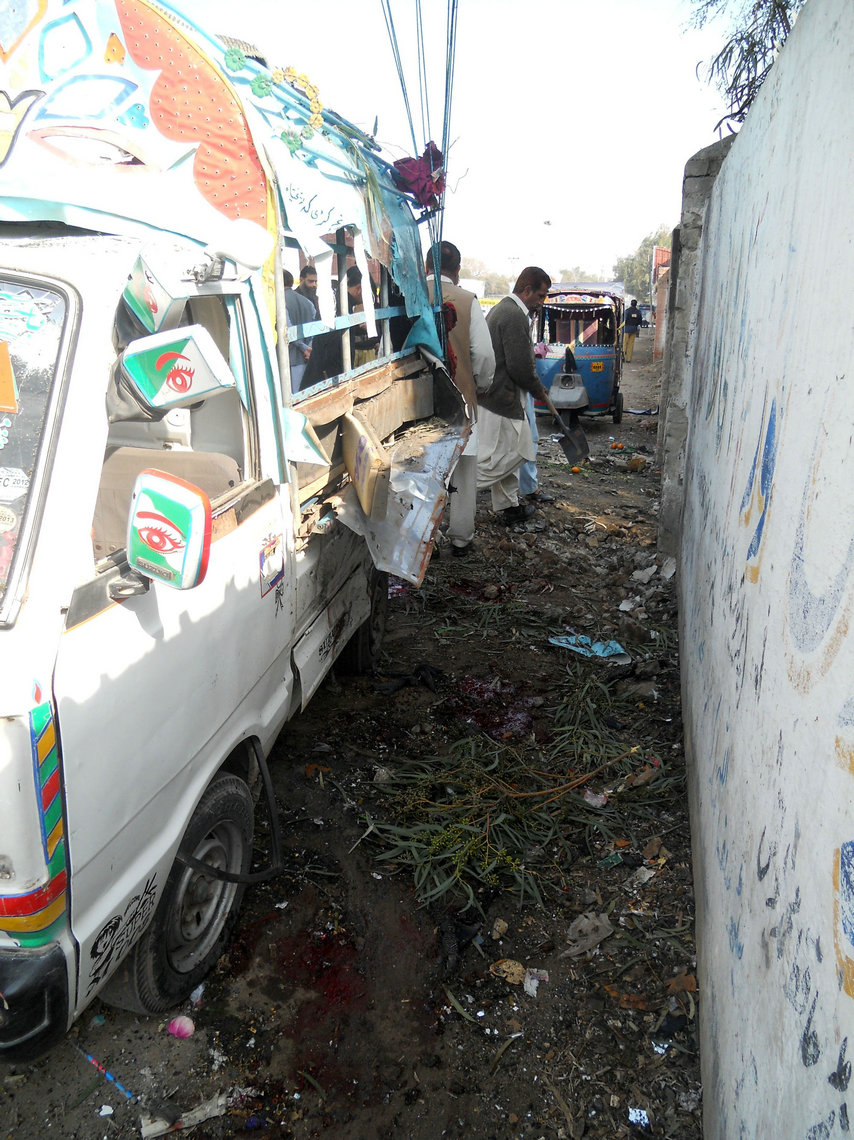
(485, 928)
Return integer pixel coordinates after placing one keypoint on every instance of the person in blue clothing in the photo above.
(631, 325)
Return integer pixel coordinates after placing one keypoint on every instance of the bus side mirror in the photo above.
(173, 369)
(169, 530)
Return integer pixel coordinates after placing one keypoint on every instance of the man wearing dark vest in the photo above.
(505, 435)
(472, 364)
(632, 324)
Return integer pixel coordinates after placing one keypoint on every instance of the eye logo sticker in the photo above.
(169, 530)
(174, 366)
(158, 533)
(179, 376)
(158, 540)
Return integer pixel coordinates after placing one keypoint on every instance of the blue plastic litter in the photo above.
(611, 651)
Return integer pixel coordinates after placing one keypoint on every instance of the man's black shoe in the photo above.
(539, 496)
(511, 515)
(462, 551)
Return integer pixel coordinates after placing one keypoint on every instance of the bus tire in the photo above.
(196, 912)
(618, 409)
(361, 654)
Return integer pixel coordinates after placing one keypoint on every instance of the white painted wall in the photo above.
(767, 602)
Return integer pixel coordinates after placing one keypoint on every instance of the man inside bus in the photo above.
(308, 286)
(325, 359)
(505, 435)
(300, 311)
(472, 364)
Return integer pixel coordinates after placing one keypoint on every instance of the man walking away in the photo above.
(472, 366)
(505, 435)
(631, 325)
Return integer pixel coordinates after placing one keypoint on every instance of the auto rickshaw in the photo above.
(586, 318)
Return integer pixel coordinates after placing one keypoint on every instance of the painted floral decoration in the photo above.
(261, 86)
(235, 60)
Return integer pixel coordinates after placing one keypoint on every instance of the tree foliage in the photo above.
(576, 275)
(757, 31)
(635, 269)
(495, 284)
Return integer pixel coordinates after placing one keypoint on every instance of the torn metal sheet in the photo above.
(402, 542)
(301, 442)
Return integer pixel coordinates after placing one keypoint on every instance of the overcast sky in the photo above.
(571, 121)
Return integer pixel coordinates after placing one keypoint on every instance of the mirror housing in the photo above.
(174, 369)
(155, 296)
(169, 530)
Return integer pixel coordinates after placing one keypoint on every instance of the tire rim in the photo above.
(203, 902)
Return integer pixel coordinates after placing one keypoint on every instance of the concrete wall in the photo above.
(680, 321)
(662, 290)
(766, 579)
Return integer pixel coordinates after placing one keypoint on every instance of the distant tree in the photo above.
(471, 267)
(576, 274)
(494, 284)
(497, 285)
(757, 31)
(634, 269)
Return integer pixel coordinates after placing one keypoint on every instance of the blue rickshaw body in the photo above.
(588, 319)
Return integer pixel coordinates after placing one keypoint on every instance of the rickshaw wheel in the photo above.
(618, 409)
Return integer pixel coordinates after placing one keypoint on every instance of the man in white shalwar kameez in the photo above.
(473, 364)
(505, 440)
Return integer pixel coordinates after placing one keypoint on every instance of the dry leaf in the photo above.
(510, 971)
(628, 1001)
(682, 983)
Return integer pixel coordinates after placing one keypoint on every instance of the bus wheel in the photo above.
(361, 654)
(618, 409)
(196, 911)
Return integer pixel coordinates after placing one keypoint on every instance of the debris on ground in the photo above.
(485, 927)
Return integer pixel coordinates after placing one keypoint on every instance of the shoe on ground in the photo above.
(518, 514)
(539, 496)
(462, 551)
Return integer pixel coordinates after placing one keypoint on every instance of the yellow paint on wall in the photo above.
(844, 755)
(845, 964)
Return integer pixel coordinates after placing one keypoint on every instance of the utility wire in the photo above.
(395, 48)
(422, 73)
